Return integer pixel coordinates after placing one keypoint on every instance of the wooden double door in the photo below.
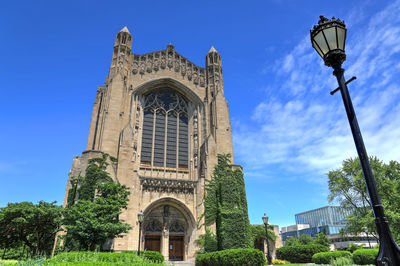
(176, 247)
(152, 243)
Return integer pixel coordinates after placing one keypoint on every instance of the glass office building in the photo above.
(329, 215)
(329, 220)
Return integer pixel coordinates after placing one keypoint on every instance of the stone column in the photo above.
(165, 244)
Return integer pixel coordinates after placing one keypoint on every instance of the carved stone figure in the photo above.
(170, 60)
(177, 64)
(135, 67)
(163, 61)
(189, 72)
(156, 64)
(202, 80)
(142, 67)
(149, 65)
(195, 78)
(183, 68)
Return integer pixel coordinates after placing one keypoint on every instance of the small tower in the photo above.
(122, 48)
(214, 73)
(218, 113)
(214, 85)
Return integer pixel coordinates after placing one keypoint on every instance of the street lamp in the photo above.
(328, 38)
(140, 217)
(265, 221)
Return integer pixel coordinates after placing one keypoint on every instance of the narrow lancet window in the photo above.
(165, 141)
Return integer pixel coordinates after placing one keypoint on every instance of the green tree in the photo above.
(321, 239)
(207, 242)
(30, 225)
(347, 187)
(305, 239)
(90, 219)
(84, 187)
(258, 230)
(292, 241)
(89, 224)
(226, 206)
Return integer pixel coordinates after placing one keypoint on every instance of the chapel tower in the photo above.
(165, 119)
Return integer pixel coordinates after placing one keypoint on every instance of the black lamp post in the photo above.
(328, 38)
(265, 221)
(140, 219)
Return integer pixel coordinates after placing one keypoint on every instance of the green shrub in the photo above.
(8, 262)
(365, 256)
(353, 247)
(124, 257)
(299, 253)
(326, 257)
(341, 261)
(231, 257)
(94, 263)
(153, 256)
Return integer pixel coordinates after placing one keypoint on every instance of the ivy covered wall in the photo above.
(226, 207)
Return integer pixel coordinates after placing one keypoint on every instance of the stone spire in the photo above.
(213, 50)
(125, 29)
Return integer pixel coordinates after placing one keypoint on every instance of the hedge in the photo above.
(231, 257)
(129, 257)
(365, 256)
(153, 256)
(326, 257)
(86, 263)
(300, 253)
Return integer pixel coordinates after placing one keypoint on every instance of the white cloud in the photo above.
(306, 130)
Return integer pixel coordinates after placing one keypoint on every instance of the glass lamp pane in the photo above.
(330, 34)
(320, 40)
(341, 37)
(317, 49)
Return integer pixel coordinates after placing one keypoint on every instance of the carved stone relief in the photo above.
(168, 58)
(135, 67)
(170, 62)
(168, 185)
(163, 60)
(153, 226)
(149, 64)
(156, 62)
(202, 79)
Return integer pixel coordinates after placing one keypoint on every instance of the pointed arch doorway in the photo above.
(167, 229)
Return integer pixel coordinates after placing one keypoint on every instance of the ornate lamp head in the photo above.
(140, 217)
(328, 39)
(265, 219)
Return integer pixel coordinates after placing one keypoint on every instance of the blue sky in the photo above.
(288, 132)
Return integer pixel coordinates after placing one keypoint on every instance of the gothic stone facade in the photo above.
(165, 120)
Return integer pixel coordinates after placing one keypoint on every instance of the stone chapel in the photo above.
(165, 119)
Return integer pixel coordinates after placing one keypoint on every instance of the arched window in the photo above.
(165, 130)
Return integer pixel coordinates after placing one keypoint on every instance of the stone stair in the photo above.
(181, 263)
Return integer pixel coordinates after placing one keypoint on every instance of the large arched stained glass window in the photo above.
(165, 130)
